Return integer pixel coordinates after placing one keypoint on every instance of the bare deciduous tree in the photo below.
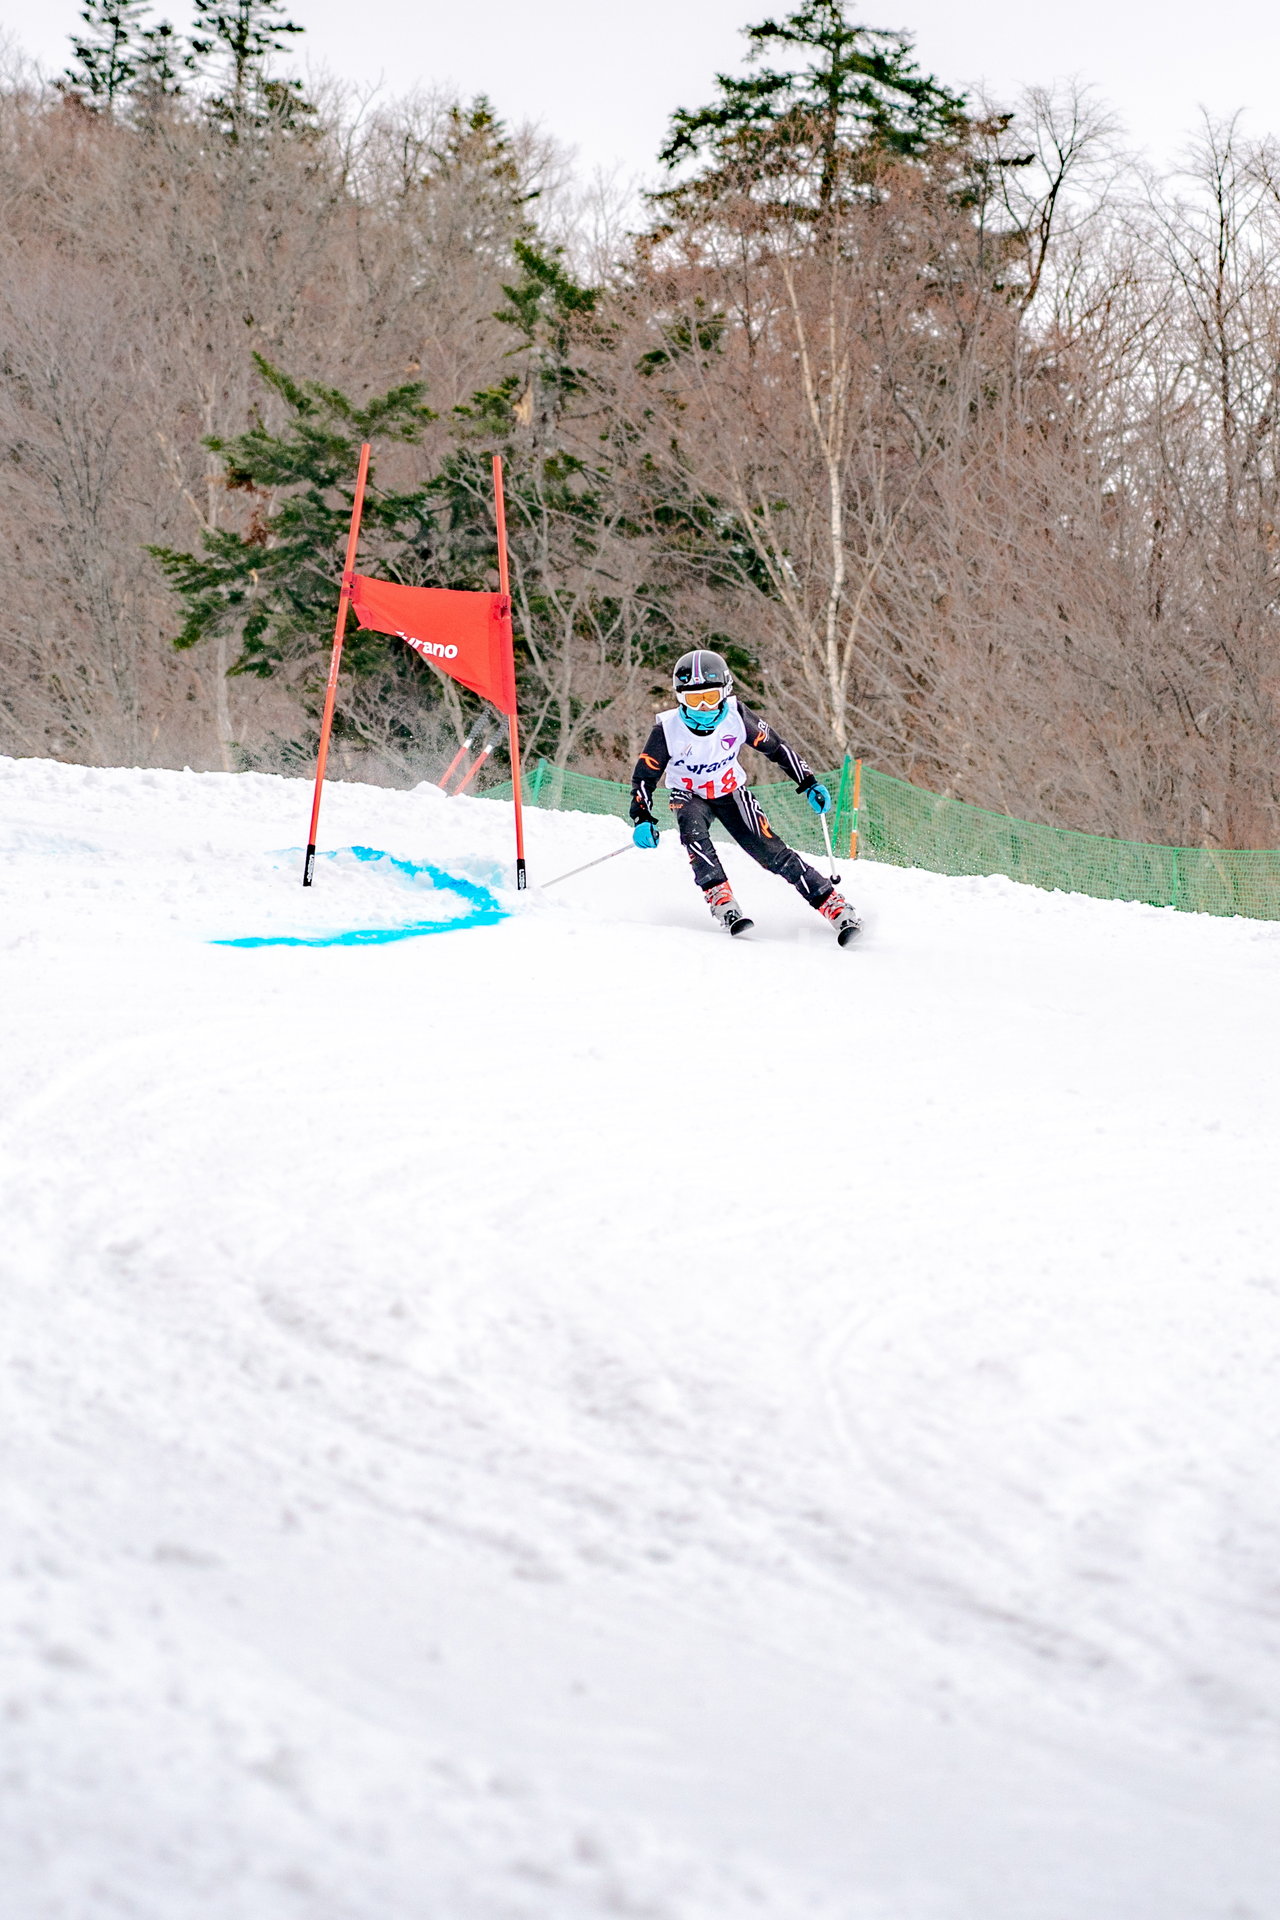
(971, 463)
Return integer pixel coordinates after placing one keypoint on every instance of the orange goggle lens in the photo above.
(702, 698)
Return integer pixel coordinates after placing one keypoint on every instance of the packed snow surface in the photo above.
(578, 1416)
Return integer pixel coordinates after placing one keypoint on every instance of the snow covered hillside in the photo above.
(576, 1416)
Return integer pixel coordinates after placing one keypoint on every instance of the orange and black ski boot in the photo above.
(837, 910)
(725, 908)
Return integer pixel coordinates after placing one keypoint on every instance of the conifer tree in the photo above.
(476, 157)
(840, 95)
(245, 34)
(275, 583)
(107, 51)
(163, 62)
(521, 416)
(590, 626)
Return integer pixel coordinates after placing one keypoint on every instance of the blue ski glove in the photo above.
(818, 797)
(645, 834)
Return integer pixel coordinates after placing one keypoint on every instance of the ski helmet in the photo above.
(696, 676)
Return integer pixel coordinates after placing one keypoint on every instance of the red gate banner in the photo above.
(466, 635)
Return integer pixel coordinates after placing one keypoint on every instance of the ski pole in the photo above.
(590, 863)
(831, 859)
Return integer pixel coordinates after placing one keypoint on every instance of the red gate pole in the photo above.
(456, 761)
(513, 731)
(475, 767)
(339, 633)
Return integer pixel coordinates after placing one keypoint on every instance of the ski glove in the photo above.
(645, 834)
(818, 797)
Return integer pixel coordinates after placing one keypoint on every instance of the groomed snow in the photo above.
(575, 1416)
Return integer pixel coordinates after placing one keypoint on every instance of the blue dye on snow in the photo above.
(484, 910)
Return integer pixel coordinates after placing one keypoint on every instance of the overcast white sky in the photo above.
(604, 77)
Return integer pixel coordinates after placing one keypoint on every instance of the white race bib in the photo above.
(705, 763)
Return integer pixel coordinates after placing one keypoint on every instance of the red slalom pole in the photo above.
(513, 731)
(473, 769)
(448, 773)
(335, 662)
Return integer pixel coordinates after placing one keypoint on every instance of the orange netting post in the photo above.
(513, 731)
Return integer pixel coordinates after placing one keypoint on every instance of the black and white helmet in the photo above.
(701, 669)
(702, 683)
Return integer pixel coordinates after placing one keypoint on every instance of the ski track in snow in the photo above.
(577, 1417)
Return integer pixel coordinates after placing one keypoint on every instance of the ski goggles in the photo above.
(703, 699)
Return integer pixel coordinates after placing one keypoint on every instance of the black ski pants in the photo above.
(744, 818)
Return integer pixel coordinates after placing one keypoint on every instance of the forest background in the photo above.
(951, 424)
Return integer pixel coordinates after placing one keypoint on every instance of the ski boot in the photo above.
(837, 910)
(725, 908)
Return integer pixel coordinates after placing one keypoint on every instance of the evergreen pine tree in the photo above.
(520, 416)
(276, 582)
(586, 624)
(162, 63)
(476, 157)
(107, 52)
(840, 96)
(245, 34)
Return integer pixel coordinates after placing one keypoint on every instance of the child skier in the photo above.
(693, 750)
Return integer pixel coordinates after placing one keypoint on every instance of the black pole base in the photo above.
(310, 865)
(522, 878)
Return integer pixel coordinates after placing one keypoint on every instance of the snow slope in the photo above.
(574, 1416)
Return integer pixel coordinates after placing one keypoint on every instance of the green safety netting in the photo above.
(908, 826)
